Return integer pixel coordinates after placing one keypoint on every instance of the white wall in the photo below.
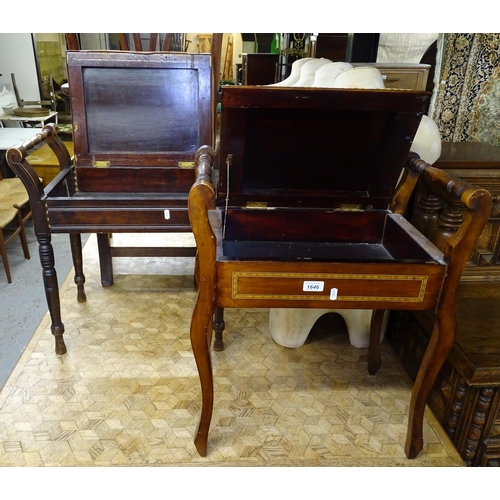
(17, 56)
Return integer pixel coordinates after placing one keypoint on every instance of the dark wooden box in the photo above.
(307, 176)
(138, 120)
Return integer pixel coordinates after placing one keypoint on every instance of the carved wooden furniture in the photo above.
(465, 397)
(479, 164)
(138, 120)
(259, 69)
(306, 215)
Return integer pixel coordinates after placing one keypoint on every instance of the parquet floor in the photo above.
(127, 392)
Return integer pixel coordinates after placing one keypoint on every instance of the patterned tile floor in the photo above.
(127, 392)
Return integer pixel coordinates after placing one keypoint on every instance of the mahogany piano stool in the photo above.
(138, 119)
(300, 210)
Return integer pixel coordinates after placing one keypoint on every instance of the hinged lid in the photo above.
(311, 147)
(140, 108)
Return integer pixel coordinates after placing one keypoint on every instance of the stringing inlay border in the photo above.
(236, 275)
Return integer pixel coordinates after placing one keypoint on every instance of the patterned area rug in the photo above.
(127, 392)
(467, 105)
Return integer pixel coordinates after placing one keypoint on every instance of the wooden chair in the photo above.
(12, 194)
(9, 215)
(73, 42)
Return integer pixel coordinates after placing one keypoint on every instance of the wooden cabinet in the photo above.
(259, 69)
(401, 75)
(478, 164)
(466, 395)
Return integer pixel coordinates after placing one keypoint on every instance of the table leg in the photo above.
(77, 255)
(374, 355)
(105, 259)
(219, 326)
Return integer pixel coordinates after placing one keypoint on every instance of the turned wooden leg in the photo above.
(77, 254)
(440, 344)
(219, 326)
(201, 334)
(374, 356)
(51, 286)
(105, 259)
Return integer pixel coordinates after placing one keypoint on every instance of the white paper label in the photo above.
(333, 293)
(167, 214)
(313, 286)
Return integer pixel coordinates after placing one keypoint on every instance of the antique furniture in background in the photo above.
(274, 237)
(479, 164)
(466, 395)
(138, 120)
(402, 76)
(259, 69)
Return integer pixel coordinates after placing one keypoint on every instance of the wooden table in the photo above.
(39, 120)
(13, 135)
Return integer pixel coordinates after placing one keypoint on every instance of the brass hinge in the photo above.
(100, 163)
(351, 207)
(186, 164)
(75, 127)
(257, 204)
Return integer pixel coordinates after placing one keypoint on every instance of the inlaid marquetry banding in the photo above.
(239, 276)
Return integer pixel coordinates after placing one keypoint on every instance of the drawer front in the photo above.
(339, 286)
(328, 287)
(119, 219)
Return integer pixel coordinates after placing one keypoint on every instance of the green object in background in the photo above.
(275, 44)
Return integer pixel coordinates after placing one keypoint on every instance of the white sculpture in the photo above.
(294, 73)
(326, 74)
(361, 77)
(308, 70)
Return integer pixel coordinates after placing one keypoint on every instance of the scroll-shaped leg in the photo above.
(219, 326)
(105, 260)
(77, 254)
(374, 356)
(51, 286)
(440, 344)
(201, 336)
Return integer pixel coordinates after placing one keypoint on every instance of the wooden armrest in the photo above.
(16, 158)
(201, 199)
(456, 243)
